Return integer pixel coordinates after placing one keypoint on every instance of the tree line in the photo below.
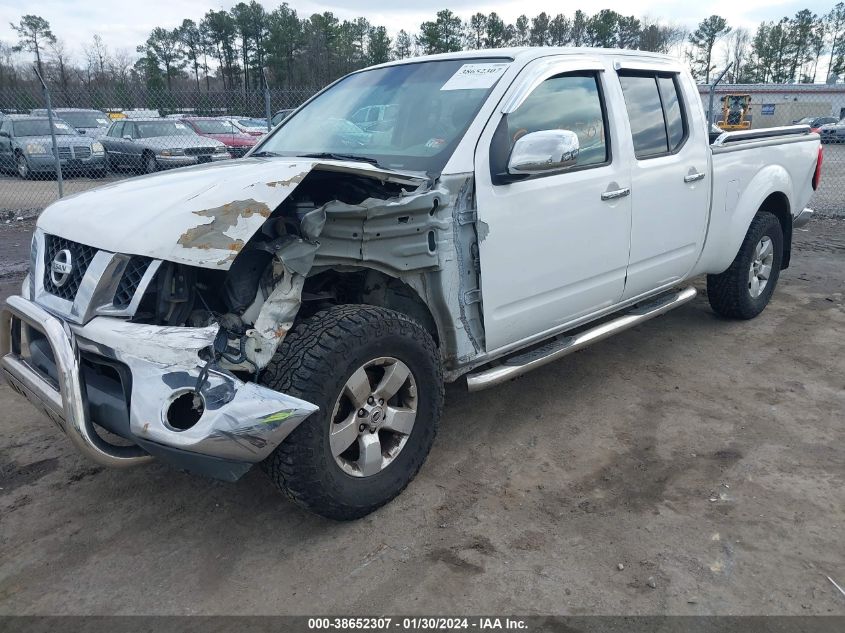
(241, 48)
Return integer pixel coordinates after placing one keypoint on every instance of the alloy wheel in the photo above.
(373, 417)
(761, 266)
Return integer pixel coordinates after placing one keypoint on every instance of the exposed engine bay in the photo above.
(338, 238)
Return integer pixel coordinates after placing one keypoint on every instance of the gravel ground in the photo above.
(692, 465)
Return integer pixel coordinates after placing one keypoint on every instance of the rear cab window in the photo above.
(656, 113)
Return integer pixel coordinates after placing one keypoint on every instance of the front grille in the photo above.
(197, 151)
(129, 281)
(82, 151)
(80, 258)
(64, 152)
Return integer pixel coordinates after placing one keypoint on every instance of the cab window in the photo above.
(655, 112)
(571, 101)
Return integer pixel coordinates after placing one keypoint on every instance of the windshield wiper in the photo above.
(265, 152)
(333, 156)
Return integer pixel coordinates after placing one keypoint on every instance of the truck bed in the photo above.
(747, 166)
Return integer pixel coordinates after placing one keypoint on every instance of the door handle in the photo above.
(616, 194)
(694, 177)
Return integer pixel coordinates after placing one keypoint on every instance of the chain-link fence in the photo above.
(109, 133)
(822, 106)
(106, 134)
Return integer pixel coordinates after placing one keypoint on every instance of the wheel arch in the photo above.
(368, 286)
(735, 206)
(778, 205)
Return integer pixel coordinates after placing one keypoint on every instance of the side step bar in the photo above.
(559, 347)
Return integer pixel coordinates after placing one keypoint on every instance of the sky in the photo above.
(127, 24)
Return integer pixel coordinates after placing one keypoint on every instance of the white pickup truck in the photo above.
(302, 307)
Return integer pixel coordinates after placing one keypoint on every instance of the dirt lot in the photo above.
(37, 194)
(705, 457)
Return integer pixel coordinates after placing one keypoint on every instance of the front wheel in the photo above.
(376, 376)
(22, 165)
(745, 288)
(149, 165)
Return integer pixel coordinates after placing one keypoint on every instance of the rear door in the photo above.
(131, 148)
(555, 246)
(670, 188)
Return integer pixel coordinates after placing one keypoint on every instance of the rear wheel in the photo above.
(376, 377)
(744, 289)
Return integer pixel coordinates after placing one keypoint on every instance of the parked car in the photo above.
(152, 144)
(223, 131)
(141, 113)
(280, 116)
(302, 307)
(253, 127)
(375, 117)
(833, 132)
(93, 123)
(815, 122)
(26, 147)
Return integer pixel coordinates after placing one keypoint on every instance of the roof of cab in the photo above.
(527, 53)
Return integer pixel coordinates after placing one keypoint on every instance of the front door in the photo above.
(553, 248)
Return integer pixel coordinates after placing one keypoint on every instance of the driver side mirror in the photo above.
(544, 152)
(5, 133)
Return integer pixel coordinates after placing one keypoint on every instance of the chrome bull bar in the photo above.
(65, 405)
(240, 422)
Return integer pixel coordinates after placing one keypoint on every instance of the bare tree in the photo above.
(60, 59)
(120, 65)
(737, 54)
(97, 56)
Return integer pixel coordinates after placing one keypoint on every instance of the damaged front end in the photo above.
(161, 328)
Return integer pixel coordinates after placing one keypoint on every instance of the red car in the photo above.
(223, 131)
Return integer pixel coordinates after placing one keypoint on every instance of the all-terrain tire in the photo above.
(314, 362)
(729, 292)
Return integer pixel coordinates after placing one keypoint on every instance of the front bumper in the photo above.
(125, 377)
(185, 161)
(46, 162)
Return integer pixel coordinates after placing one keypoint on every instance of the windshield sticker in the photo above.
(475, 77)
(61, 126)
(102, 122)
(181, 126)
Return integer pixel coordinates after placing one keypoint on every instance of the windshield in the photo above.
(85, 119)
(252, 123)
(213, 126)
(806, 120)
(150, 129)
(410, 116)
(41, 127)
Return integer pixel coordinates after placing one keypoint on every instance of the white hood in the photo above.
(201, 216)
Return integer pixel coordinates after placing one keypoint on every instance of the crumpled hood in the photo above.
(201, 216)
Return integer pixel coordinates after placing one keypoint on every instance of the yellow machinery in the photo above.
(736, 113)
